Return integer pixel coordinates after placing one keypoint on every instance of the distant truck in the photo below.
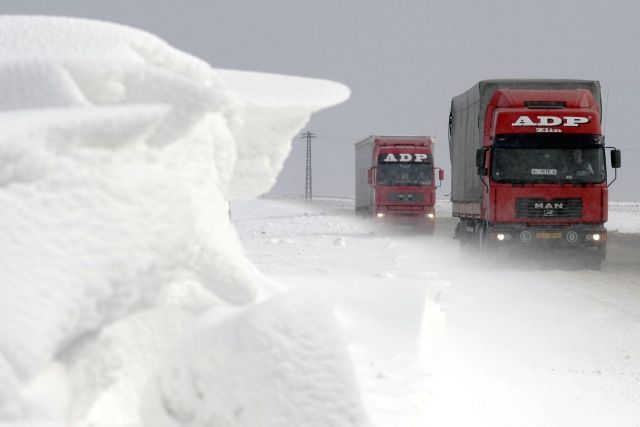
(528, 166)
(395, 179)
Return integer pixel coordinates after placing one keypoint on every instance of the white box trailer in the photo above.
(364, 160)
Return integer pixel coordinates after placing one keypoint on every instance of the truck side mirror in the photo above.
(441, 174)
(616, 159)
(371, 176)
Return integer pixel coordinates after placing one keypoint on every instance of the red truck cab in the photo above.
(395, 179)
(540, 167)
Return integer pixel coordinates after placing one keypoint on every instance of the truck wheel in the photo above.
(429, 230)
(465, 239)
(481, 236)
(594, 264)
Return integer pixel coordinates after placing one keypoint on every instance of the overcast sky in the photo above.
(403, 60)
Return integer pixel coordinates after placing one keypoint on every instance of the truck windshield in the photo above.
(548, 159)
(405, 174)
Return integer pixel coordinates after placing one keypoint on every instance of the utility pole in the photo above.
(307, 189)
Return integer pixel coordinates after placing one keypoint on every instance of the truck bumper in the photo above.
(590, 239)
(423, 217)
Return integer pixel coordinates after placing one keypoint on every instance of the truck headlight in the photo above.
(430, 215)
(596, 237)
(380, 215)
(501, 237)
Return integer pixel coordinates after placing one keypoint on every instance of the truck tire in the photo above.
(481, 236)
(429, 230)
(595, 265)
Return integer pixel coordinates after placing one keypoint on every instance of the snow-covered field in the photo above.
(382, 297)
(517, 346)
(624, 217)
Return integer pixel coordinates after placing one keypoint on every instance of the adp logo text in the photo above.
(551, 121)
(405, 157)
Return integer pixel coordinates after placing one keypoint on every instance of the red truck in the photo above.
(528, 166)
(395, 179)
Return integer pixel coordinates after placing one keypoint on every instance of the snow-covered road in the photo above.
(521, 346)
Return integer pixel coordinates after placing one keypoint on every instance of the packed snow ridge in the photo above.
(126, 296)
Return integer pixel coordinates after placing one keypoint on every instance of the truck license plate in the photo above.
(549, 235)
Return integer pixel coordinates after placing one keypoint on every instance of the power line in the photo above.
(308, 194)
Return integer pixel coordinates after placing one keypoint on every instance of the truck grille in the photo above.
(556, 208)
(405, 197)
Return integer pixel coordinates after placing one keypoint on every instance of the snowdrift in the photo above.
(118, 155)
(280, 363)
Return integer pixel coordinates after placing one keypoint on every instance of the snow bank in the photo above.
(118, 154)
(281, 363)
(380, 286)
(624, 217)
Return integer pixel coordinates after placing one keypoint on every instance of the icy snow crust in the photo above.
(249, 373)
(118, 154)
(526, 345)
(383, 293)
